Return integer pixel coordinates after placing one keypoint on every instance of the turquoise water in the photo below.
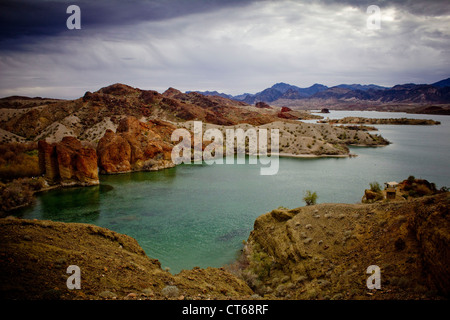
(198, 215)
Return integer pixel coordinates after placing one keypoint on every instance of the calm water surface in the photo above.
(198, 215)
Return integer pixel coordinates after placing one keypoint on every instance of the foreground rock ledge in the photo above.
(323, 251)
(34, 256)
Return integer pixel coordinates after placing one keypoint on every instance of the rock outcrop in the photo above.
(285, 109)
(136, 146)
(431, 226)
(68, 163)
(288, 113)
(323, 251)
(262, 105)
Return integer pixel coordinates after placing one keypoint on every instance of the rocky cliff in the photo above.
(136, 146)
(323, 251)
(68, 162)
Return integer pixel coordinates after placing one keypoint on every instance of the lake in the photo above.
(198, 215)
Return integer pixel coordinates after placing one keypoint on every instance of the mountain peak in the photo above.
(171, 92)
(117, 89)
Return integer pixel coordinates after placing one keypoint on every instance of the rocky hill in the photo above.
(129, 127)
(89, 117)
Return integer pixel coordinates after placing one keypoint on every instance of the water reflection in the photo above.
(166, 175)
(73, 204)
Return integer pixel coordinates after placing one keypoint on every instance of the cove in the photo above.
(198, 215)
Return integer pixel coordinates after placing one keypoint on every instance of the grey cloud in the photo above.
(20, 18)
(416, 7)
(224, 46)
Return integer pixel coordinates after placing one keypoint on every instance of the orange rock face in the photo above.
(136, 146)
(68, 162)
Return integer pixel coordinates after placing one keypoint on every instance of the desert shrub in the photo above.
(310, 198)
(15, 194)
(375, 186)
(261, 264)
(257, 262)
(423, 190)
(170, 291)
(18, 160)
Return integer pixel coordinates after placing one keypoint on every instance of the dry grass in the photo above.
(18, 160)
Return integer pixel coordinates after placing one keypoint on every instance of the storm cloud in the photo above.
(228, 46)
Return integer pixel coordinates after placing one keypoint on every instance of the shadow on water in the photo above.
(73, 204)
(76, 204)
(166, 175)
(233, 234)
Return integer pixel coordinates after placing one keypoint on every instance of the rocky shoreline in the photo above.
(392, 121)
(146, 146)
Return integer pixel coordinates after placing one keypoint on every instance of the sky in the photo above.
(231, 46)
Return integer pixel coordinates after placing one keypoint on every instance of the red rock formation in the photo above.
(262, 105)
(114, 153)
(171, 93)
(68, 162)
(136, 146)
(286, 115)
(285, 109)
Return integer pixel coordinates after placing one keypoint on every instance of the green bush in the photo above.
(310, 198)
(375, 186)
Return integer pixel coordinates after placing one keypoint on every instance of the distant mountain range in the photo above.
(438, 92)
